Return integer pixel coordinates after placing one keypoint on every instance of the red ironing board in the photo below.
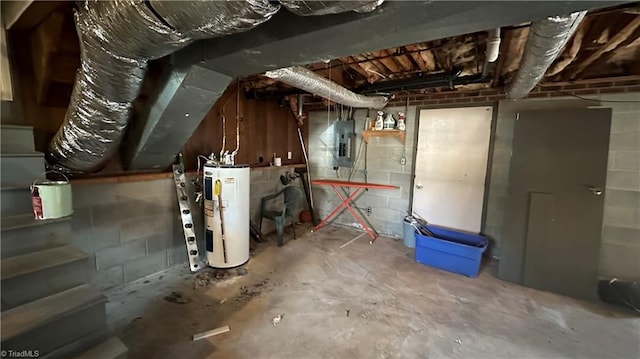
(347, 201)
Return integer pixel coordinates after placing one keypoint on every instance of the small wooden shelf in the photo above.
(383, 133)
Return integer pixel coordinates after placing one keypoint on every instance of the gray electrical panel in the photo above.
(345, 143)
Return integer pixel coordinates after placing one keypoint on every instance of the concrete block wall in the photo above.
(130, 229)
(388, 207)
(620, 251)
(266, 181)
(133, 229)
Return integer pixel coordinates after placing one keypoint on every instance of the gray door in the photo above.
(553, 218)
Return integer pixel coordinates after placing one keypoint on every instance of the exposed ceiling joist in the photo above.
(285, 39)
(616, 40)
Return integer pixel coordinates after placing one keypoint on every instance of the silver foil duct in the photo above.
(117, 38)
(309, 81)
(206, 18)
(324, 7)
(546, 40)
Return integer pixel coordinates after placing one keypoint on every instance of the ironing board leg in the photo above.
(337, 209)
(347, 203)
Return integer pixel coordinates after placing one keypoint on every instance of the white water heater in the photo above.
(226, 214)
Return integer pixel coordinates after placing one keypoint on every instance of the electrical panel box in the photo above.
(345, 143)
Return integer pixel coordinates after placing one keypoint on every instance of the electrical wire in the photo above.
(235, 152)
(406, 116)
(592, 99)
(197, 179)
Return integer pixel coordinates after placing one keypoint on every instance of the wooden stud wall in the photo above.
(265, 128)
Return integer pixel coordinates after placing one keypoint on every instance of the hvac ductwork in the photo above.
(546, 40)
(311, 82)
(322, 7)
(117, 38)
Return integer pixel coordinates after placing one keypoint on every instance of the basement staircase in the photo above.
(48, 304)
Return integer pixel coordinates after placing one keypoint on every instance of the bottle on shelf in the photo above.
(401, 122)
(379, 121)
(389, 122)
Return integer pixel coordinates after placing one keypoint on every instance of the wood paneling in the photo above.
(266, 128)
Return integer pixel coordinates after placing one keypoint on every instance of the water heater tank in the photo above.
(226, 214)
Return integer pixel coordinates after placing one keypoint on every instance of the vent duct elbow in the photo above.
(311, 82)
(546, 40)
(117, 38)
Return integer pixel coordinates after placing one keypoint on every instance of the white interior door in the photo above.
(451, 166)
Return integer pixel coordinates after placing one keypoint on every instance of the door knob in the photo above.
(595, 190)
(419, 186)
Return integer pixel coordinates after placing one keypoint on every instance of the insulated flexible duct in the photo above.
(546, 40)
(117, 38)
(309, 81)
(324, 7)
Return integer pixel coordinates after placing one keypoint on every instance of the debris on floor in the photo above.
(177, 298)
(210, 275)
(248, 293)
(211, 333)
(241, 271)
(459, 341)
(277, 319)
(348, 312)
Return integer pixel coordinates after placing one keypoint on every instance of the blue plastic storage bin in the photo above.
(453, 251)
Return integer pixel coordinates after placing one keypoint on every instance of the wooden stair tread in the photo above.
(22, 319)
(36, 261)
(111, 348)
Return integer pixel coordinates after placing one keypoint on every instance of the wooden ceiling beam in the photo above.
(393, 55)
(377, 64)
(401, 59)
(386, 61)
(616, 40)
(373, 73)
(416, 58)
(351, 63)
(571, 50)
(619, 61)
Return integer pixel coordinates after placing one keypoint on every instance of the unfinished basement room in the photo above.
(320, 179)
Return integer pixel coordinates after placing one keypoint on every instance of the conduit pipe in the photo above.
(493, 45)
(311, 82)
(546, 40)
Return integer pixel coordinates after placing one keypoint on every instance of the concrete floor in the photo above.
(360, 301)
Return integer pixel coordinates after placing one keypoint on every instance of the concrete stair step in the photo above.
(111, 348)
(23, 234)
(21, 169)
(54, 321)
(16, 139)
(15, 201)
(30, 276)
(79, 346)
